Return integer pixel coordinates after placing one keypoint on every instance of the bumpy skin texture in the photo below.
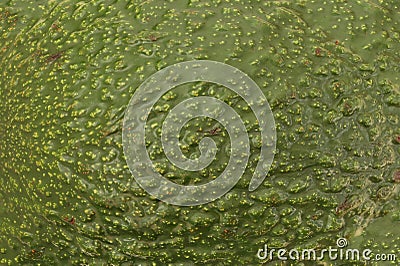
(68, 69)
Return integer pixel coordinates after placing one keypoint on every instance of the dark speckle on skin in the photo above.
(396, 176)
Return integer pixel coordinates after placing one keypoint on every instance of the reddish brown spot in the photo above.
(343, 206)
(397, 139)
(54, 57)
(396, 176)
(71, 221)
(153, 38)
(214, 131)
(54, 26)
(226, 233)
(318, 52)
(337, 42)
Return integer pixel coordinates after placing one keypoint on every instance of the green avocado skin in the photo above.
(330, 72)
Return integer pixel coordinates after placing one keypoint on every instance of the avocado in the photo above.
(329, 70)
